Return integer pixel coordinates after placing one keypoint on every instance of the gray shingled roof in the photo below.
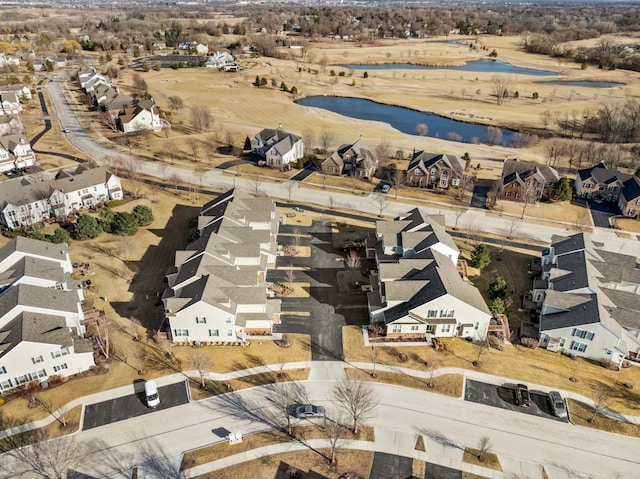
(34, 247)
(521, 170)
(425, 160)
(35, 328)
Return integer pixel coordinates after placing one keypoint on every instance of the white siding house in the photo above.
(217, 289)
(590, 306)
(41, 320)
(417, 291)
(277, 147)
(26, 204)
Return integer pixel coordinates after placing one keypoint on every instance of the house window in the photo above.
(414, 327)
(432, 313)
(60, 353)
(581, 333)
(562, 341)
(25, 378)
(3, 370)
(8, 384)
(396, 328)
(417, 171)
(476, 326)
(181, 332)
(214, 333)
(60, 367)
(434, 171)
(431, 328)
(227, 320)
(578, 346)
(446, 328)
(507, 194)
(229, 332)
(517, 194)
(455, 182)
(447, 313)
(201, 320)
(37, 359)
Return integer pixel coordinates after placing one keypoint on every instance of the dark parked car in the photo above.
(522, 396)
(346, 245)
(558, 406)
(308, 410)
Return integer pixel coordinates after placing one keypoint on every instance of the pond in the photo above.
(404, 119)
(584, 83)
(480, 66)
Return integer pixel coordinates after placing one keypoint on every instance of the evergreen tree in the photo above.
(480, 258)
(60, 235)
(125, 224)
(562, 190)
(37, 235)
(143, 215)
(497, 289)
(87, 227)
(497, 307)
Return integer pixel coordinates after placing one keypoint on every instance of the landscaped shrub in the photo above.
(530, 343)
(125, 224)
(60, 235)
(143, 214)
(105, 219)
(87, 227)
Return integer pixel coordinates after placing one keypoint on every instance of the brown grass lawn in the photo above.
(628, 224)
(305, 461)
(510, 265)
(514, 362)
(213, 388)
(490, 460)
(448, 384)
(262, 439)
(581, 413)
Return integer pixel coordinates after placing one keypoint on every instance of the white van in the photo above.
(151, 394)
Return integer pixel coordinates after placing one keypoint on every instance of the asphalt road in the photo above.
(387, 466)
(447, 425)
(436, 471)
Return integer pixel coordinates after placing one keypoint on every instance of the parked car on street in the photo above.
(308, 410)
(523, 398)
(558, 406)
(385, 187)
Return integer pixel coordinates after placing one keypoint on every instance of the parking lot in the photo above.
(133, 405)
(504, 397)
(328, 307)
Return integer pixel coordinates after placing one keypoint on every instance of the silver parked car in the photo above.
(308, 410)
(558, 406)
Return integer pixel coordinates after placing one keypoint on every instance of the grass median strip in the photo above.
(583, 415)
(254, 441)
(447, 384)
(490, 461)
(213, 388)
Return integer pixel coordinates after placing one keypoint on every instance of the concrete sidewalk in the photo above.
(320, 371)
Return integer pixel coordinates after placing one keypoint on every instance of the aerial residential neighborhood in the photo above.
(248, 240)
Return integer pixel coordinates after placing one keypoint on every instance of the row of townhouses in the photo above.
(121, 111)
(25, 202)
(15, 150)
(41, 319)
(217, 287)
(589, 301)
(417, 290)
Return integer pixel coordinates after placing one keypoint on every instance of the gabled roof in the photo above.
(631, 188)
(425, 160)
(34, 328)
(516, 170)
(602, 174)
(34, 247)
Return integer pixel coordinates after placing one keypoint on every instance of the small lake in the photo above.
(584, 83)
(478, 66)
(404, 119)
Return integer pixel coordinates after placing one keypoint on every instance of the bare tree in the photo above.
(601, 398)
(383, 152)
(374, 353)
(381, 201)
(171, 149)
(59, 415)
(353, 260)
(529, 196)
(500, 87)
(210, 146)
(101, 333)
(257, 183)
(484, 447)
(325, 140)
(201, 118)
(34, 452)
(494, 135)
(336, 435)
(176, 103)
(175, 179)
(422, 129)
(398, 180)
(291, 185)
(291, 276)
(357, 398)
(285, 396)
(201, 362)
(194, 146)
(308, 140)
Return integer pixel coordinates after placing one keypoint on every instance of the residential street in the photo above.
(472, 219)
(447, 425)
